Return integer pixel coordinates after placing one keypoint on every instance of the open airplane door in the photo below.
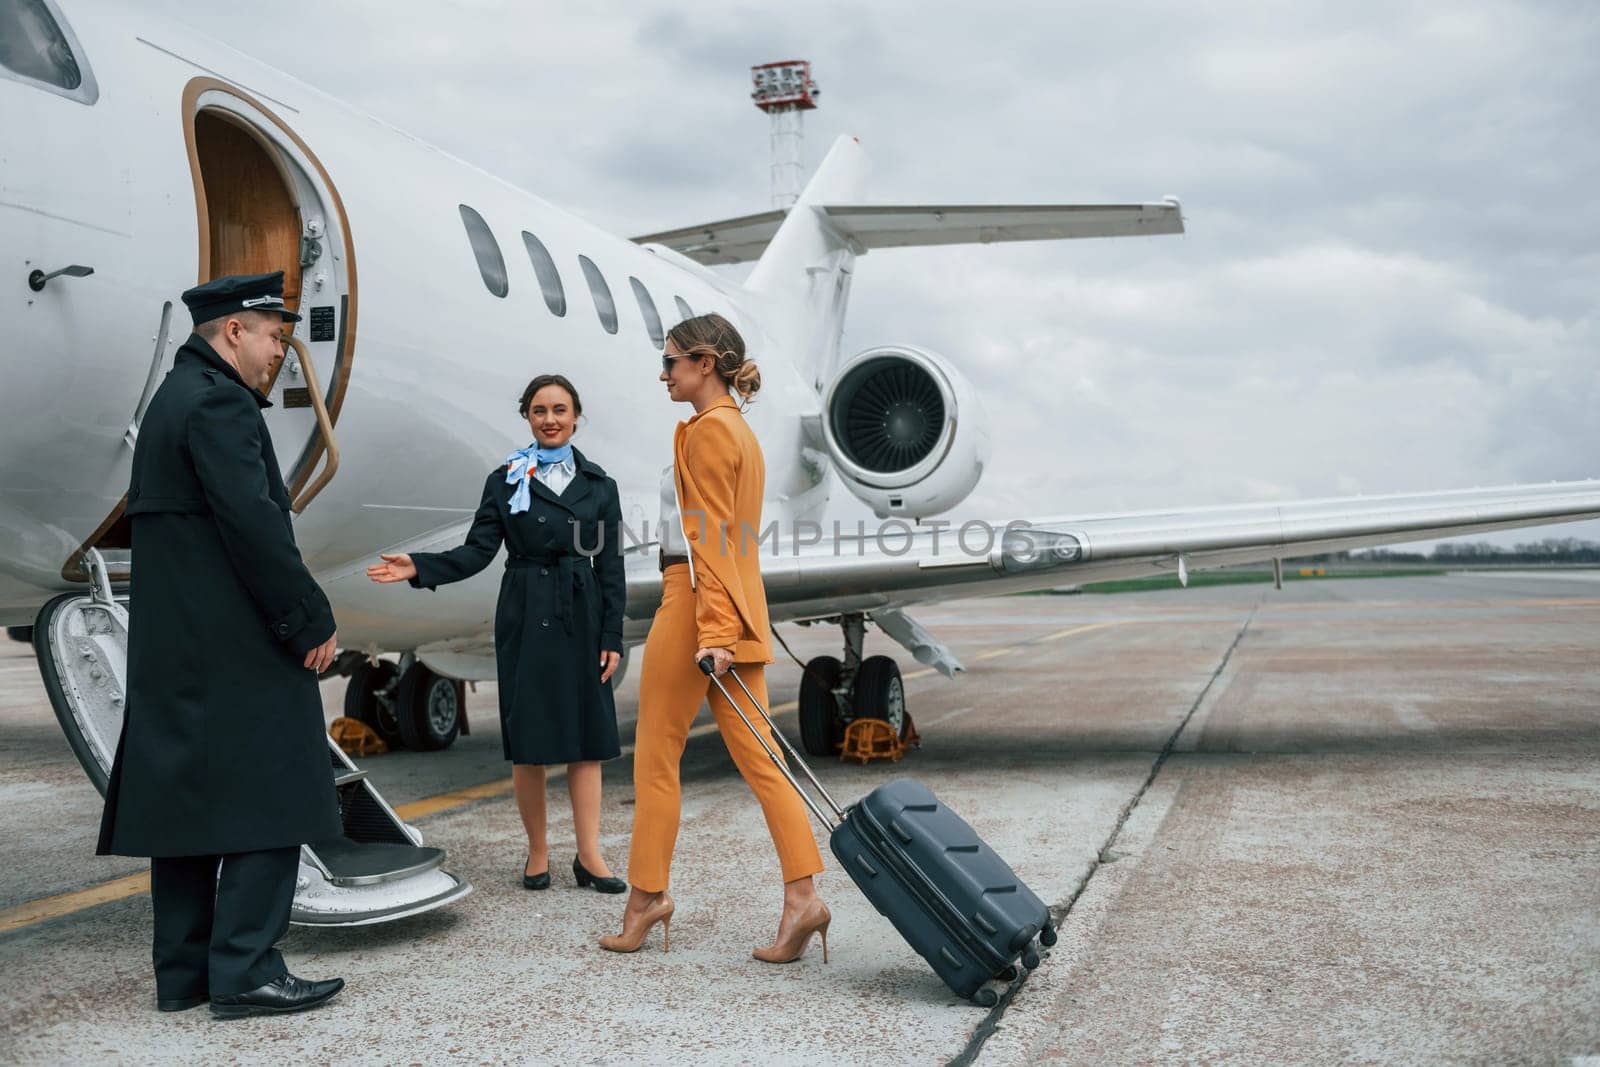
(377, 871)
(264, 203)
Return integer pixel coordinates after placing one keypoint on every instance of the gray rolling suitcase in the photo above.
(949, 894)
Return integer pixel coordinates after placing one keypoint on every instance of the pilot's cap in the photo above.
(238, 292)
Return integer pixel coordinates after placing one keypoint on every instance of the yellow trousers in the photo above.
(671, 689)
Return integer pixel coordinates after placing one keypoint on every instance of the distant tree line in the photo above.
(1455, 553)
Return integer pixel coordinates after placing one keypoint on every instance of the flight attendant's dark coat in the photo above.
(561, 603)
(223, 746)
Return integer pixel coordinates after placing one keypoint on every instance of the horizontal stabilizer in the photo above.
(739, 240)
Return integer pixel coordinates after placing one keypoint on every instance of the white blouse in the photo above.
(557, 476)
(673, 540)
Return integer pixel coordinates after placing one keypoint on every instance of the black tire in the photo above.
(985, 998)
(1047, 936)
(1030, 959)
(1009, 974)
(429, 708)
(879, 693)
(372, 697)
(821, 725)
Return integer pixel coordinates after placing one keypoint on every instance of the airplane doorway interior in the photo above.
(263, 202)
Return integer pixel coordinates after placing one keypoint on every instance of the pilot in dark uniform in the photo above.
(222, 771)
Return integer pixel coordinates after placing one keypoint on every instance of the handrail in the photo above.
(324, 427)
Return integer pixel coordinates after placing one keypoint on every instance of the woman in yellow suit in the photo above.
(712, 604)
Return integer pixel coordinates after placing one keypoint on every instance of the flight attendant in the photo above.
(558, 624)
(712, 604)
(221, 772)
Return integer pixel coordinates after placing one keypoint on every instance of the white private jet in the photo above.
(142, 158)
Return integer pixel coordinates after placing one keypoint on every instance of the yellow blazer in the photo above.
(720, 477)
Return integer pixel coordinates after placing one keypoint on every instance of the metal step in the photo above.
(352, 863)
(349, 778)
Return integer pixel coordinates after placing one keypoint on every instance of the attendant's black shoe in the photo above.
(535, 881)
(283, 994)
(180, 1003)
(599, 884)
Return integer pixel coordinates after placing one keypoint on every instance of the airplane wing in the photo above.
(923, 565)
(744, 238)
(879, 576)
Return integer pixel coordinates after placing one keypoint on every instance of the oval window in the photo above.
(647, 308)
(555, 296)
(604, 306)
(486, 250)
(683, 308)
(37, 47)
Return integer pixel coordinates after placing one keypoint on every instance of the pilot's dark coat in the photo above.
(561, 602)
(223, 747)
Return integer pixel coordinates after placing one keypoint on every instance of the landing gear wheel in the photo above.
(429, 709)
(1047, 936)
(1030, 959)
(879, 694)
(985, 998)
(821, 726)
(370, 697)
(1007, 974)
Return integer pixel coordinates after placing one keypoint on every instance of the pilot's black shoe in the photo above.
(586, 880)
(284, 993)
(180, 1003)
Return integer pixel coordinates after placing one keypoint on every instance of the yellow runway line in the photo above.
(1069, 631)
(46, 908)
(997, 652)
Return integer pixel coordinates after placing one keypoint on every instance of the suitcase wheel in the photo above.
(1030, 959)
(985, 998)
(1047, 936)
(1007, 974)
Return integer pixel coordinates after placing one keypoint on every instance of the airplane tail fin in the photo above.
(806, 255)
(803, 275)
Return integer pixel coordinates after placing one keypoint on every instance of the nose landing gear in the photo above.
(835, 693)
(406, 704)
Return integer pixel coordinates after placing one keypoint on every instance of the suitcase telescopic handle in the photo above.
(709, 668)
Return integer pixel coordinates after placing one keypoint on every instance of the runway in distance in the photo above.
(146, 158)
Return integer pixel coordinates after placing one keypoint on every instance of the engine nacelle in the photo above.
(906, 431)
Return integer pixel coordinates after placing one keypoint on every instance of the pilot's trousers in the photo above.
(215, 926)
(671, 689)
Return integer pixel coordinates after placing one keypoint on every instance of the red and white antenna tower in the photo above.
(784, 90)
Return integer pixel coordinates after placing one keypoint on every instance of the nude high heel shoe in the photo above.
(635, 929)
(791, 946)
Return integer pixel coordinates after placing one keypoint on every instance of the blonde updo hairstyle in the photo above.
(712, 335)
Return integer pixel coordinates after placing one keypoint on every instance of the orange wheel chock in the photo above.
(869, 739)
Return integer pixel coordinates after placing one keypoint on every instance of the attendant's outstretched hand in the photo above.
(608, 665)
(396, 568)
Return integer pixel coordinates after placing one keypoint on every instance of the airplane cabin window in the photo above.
(486, 250)
(37, 47)
(647, 308)
(555, 297)
(683, 308)
(604, 306)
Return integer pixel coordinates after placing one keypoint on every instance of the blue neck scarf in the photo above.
(517, 472)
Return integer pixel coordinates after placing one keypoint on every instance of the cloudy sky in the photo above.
(1393, 260)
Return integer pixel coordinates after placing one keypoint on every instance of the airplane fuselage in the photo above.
(424, 353)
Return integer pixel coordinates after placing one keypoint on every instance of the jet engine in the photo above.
(905, 430)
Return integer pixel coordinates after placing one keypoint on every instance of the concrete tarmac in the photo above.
(1353, 821)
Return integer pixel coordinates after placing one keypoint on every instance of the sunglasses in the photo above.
(666, 361)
